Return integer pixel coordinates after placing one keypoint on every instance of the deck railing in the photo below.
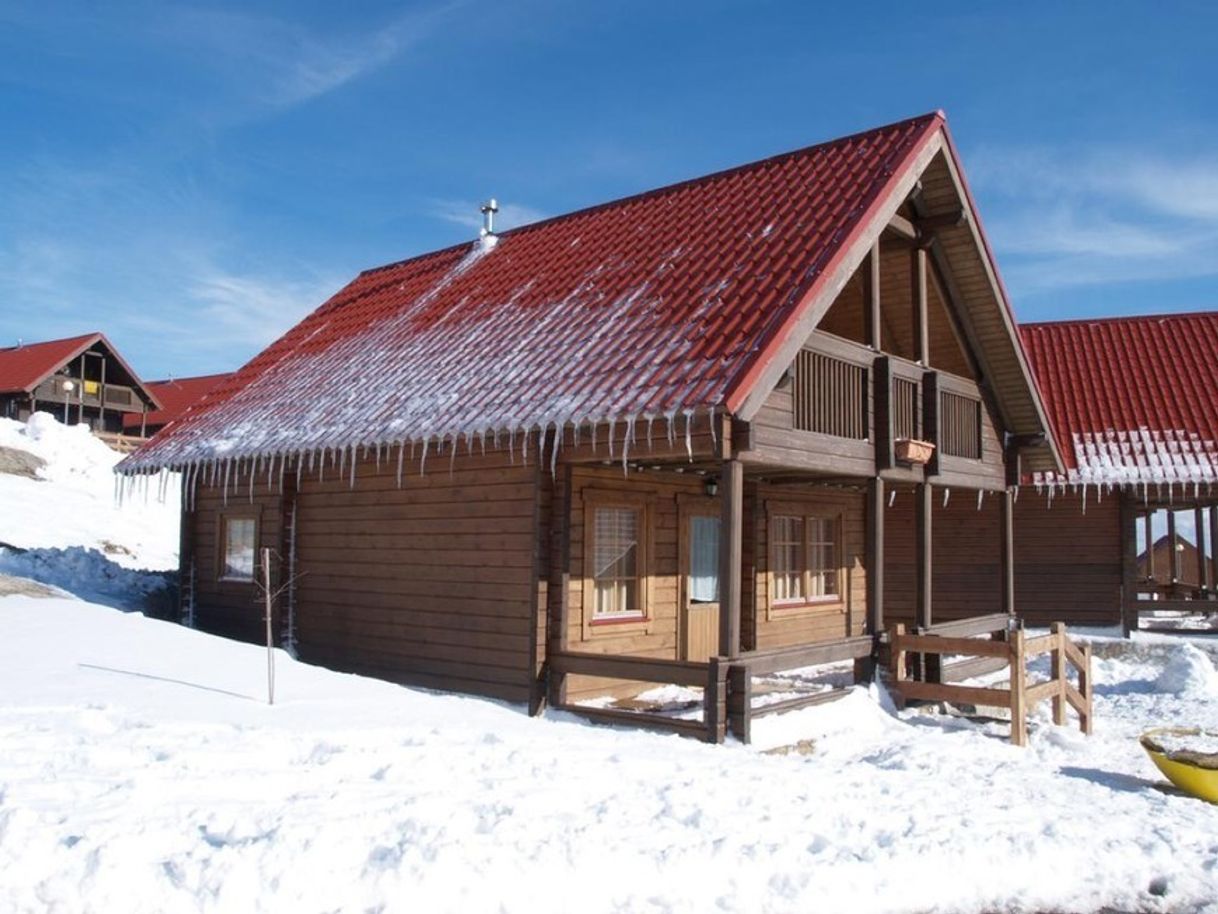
(831, 395)
(1014, 651)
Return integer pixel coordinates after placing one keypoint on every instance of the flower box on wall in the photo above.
(911, 450)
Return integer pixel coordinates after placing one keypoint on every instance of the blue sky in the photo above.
(192, 179)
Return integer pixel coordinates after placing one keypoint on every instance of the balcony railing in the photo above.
(845, 390)
(73, 391)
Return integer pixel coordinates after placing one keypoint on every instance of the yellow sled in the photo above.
(1196, 773)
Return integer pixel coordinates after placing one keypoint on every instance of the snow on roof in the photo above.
(22, 368)
(1137, 397)
(646, 307)
(176, 396)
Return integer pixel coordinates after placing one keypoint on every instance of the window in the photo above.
(237, 562)
(703, 559)
(616, 569)
(804, 559)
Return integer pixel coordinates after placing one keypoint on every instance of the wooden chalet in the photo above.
(176, 396)
(696, 436)
(82, 379)
(1129, 527)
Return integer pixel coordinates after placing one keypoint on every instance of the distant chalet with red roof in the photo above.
(1134, 516)
(669, 439)
(81, 379)
(176, 396)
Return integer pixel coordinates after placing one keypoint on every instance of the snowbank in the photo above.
(87, 574)
(143, 771)
(1188, 672)
(72, 501)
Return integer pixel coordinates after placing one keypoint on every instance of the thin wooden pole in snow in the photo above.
(270, 638)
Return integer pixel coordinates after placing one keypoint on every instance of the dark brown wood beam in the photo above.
(921, 331)
(731, 543)
(875, 556)
(881, 378)
(1148, 536)
(1214, 545)
(924, 563)
(1129, 562)
(1007, 506)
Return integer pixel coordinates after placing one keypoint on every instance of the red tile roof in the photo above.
(176, 396)
(1131, 399)
(22, 368)
(665, 303)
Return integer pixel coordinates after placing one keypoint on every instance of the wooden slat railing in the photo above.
(831, 396)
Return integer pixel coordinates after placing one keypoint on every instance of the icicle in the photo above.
(714, 436)
(554, 454)
(593, 436)
(524, 445)
(354, 462)
(1084, 499)
(299, 469)
(947, 494)
(251, 483)
(512, 445)
(378, 457)
(228, 465)
(892, 498)
(626, 445)
(401, 454)
(452, 459)
(423, 459)
(342, 461)
(612, 426)
(1015, 495)
(671, 421)
(321, 467)
(689, 439)
(980, 496)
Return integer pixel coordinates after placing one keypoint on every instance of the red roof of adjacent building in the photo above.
(24, 367)
(671, 302)
(1131, 399)
(176, 395)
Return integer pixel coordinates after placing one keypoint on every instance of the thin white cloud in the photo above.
(468, 213)
(1072, 217)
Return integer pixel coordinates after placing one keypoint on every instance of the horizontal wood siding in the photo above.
(1067, 563)
(783, 627)
(1067, 559)
(230, 608)
(433, 583)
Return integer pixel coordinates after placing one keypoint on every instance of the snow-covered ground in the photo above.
(143, 771)
(70, 500)
(61, 523)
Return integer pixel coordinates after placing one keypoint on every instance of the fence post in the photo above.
(1019, 700)
(1059, 672)
(715, 699)
(1085, 687)
(740, 702)
(896, 659)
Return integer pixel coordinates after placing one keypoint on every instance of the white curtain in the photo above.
(704, 560)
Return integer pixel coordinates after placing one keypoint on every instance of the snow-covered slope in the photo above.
(142, 770)
(71, 501)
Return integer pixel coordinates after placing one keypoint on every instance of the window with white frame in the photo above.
(239, 542)
(616, 558)
(804, 564)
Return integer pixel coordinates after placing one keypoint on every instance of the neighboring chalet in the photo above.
(82, 379)
(1134, 404)
(176, 395)
(656, 440)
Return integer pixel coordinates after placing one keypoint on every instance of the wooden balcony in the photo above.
(74, 392)
(846, 406)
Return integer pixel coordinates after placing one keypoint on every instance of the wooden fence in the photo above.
(1015, 649)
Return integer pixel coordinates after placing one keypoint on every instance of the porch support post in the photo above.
(1173, 544)
(922, 504)
(1214, 545)
(1148, 536)
(921, 333)
(1129, 561)
(1204, 566)
(731, 540)
(1008, 552)
(875, 556)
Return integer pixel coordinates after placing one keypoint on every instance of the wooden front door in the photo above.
(700, 587)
